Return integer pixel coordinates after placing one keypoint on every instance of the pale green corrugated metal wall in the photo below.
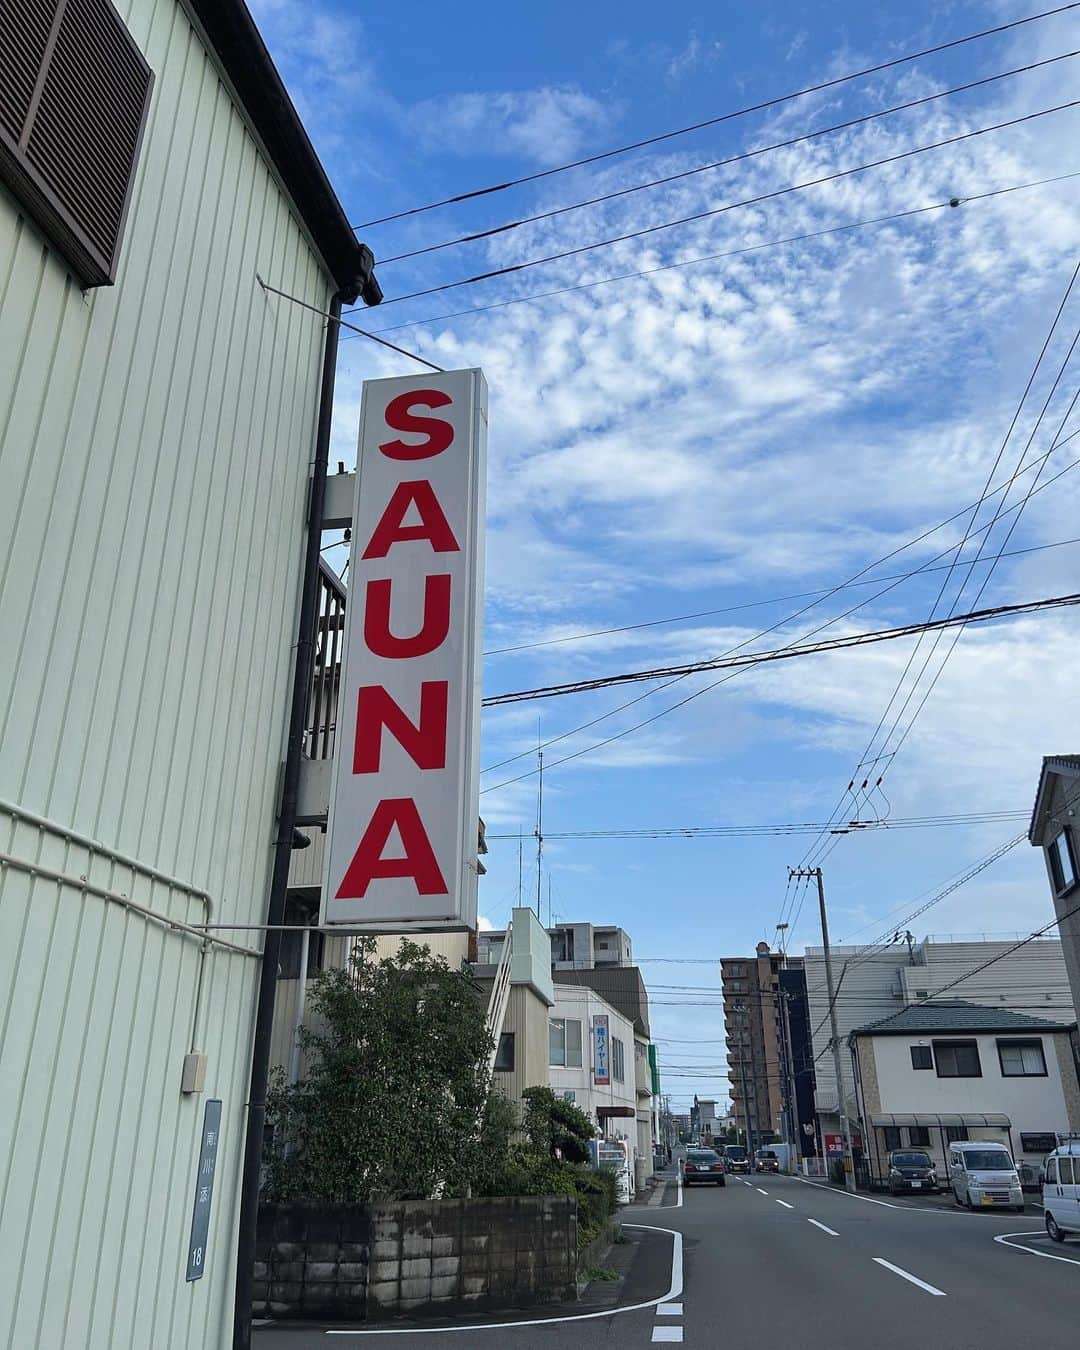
(154, 448)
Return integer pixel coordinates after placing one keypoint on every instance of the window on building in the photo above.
(956, 1134)
(1038, 1143)
(921, 1057)
(891, 1137)
(1021, 1059)
(1062, 862)
(618, 1060)
(918, 1136)
(564, 1042)
(957, 1059)
(504, 1056)
(73, 102)
(562, 945)
(292, 944)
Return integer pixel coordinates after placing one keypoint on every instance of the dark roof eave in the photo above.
(232, 33)
(1068, 765)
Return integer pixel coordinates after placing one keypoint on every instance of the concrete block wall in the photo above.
(354, 1263)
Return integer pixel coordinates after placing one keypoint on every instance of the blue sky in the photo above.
(732, 431)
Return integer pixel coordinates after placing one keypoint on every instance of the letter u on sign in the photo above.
(401, 845)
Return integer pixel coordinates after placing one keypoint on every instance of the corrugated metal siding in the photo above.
(527, 1018)
(154, 449)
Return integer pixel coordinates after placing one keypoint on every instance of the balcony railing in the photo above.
(330, 631)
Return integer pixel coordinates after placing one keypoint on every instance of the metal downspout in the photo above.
(304, 665)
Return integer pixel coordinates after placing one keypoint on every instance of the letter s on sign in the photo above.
(400, 417)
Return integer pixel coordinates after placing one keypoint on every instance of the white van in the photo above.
(982, 1175)
(1061, 1190)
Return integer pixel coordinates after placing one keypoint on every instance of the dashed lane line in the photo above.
(818, 1224)
(907, 1275)
(669, 1310)
(758, 1188)
(673, 1335)
(785, 1204)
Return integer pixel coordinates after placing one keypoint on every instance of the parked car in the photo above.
(910, 1169)
(736, 1158)
(704, 1165)
(984, 1176)
(1061, 1190)
(765, 1160)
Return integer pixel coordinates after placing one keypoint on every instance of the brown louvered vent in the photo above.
(74, 94)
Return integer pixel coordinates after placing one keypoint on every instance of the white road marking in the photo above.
(678, 1197)
(907, 1275)
(831, 1231)
(669, 1310)
(671, 1334)
(745, 1182)
(758, 1188)
(785, 1204)
(673, 1293)
(1019, 1247)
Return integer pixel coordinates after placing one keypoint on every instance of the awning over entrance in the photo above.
(996, 1122)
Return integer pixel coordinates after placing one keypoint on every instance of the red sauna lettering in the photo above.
(433, 628)
(368, 863)
(399, 417)
(391, 529)
(424, 740)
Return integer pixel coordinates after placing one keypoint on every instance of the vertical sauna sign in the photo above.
(401, 847)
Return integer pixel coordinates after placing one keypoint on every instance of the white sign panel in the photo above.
(601, 1071)
(401, 848)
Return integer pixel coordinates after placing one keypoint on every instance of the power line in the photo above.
(765, 104)
(798, 827)
(731, 206)
(743, 155)
(755, 604)
(947, 202)
(784, 653)
(698, 693)
(817, 852)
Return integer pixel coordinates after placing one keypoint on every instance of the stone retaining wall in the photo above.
(351, 1262)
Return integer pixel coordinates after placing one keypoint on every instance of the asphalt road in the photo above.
(778, 1262)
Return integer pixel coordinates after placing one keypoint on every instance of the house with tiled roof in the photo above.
(1055, 828)
(944, 1070)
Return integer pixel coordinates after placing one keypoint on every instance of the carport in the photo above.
(940, 1123)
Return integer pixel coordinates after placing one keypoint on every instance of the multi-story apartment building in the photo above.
(756, 1030)
(574, 946)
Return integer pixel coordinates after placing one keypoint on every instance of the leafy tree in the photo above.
(555, 1127)
(396, 1102)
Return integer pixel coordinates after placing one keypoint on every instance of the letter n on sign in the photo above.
(401, 846)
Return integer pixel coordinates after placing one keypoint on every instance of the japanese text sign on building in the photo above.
(402, 833)
(204, 1191)
(601, 1067)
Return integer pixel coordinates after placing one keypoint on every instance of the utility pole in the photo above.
(539, 831)
(845, 1128)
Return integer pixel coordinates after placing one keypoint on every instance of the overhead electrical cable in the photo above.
(763, 633)
(764, 105)
(783, 653)
(943, 205)
(749, 831)
(743, 155)
(815, 854)
(753, 604)
(647, 230)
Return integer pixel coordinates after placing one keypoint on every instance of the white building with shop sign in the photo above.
(572, 1060)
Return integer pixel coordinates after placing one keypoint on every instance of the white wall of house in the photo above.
(579, 1004)
(155, 441)
(1033, 1104)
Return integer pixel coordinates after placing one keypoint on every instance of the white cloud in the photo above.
(544, 126)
